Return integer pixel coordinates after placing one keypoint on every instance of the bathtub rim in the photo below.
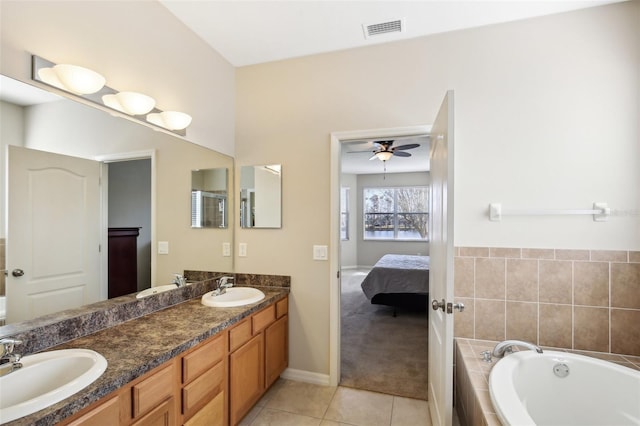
(512, 408)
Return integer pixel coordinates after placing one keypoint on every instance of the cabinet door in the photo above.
(211, 414)
(162, 415)
(276, 349)
(246, 377)
(107, 413)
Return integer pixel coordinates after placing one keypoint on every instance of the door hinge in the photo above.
(338, 275)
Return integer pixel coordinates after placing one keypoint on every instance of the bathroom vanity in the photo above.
(186, 364)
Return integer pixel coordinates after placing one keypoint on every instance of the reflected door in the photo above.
(53, 240)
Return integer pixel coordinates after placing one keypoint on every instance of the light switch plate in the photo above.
(163, 247)
(226, 249)
(320, 253)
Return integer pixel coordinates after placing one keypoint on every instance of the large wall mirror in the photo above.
(261, 196)
(145, 179)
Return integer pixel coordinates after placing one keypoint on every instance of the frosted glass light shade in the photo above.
(384, 155)
(132, 103)
(73, 78)
(172, 120)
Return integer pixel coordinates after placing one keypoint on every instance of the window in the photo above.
(396, 213)
(344, 214)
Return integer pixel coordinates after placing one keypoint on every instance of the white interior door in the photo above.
(441, 270)
(54, 233)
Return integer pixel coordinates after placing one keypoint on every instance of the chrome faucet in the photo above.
(506, 347)
(179, 280)
(9, 361)
(223, 285)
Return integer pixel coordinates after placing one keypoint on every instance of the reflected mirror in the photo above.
(61, 127)
(209, 198)
(261, 196)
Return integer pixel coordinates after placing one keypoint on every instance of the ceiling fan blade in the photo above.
(360, 152)
(407, 146)
(402, 154)
(373, 157)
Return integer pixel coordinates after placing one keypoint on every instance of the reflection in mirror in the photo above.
(209, 198)
(261, 196)
(64, 128)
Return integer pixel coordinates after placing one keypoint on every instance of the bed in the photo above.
(398, 280)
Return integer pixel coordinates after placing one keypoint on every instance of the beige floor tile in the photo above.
(251, 416)
(410, 412)
(332, 423)
(269, 417)
(361, 408)
(301, 398)
(271, 392)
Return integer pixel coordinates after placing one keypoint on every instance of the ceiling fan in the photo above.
(385, 150)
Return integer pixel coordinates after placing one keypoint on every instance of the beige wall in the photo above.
(546, 116)
(136, 45)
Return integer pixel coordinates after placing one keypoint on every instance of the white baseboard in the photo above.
(306, 376)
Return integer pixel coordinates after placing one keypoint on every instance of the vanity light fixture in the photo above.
(72, 78)
(90, 86)
(132, 103)
(172, 120)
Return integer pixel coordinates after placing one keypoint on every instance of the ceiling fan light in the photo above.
(384, 155)
(78, 79)
(132, 103)
(172, 120)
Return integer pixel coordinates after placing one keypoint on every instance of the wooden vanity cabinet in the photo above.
(258, 355)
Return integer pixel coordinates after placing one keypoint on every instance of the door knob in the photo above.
(438, 305)
(17, 272)
(452, 306)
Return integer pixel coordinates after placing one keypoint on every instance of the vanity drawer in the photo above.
(282, 307)
(203, 358)
(262, 319)
(150, 392)
(239, 335)
(203, 388)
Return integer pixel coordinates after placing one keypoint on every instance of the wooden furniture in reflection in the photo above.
(123, 261)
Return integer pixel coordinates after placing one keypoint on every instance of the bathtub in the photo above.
(3, 307)
(559, 388)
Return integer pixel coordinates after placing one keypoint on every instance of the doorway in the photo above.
(339, 144)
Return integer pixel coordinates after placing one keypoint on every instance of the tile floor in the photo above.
(301, 404)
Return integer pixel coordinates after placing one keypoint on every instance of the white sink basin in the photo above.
(46, 378)
(155, 290)
(234, 296)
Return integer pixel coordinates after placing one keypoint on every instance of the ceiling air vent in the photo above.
(371, 30)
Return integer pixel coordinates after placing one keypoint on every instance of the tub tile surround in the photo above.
(51, 330)
(575, 299)
(471, 377)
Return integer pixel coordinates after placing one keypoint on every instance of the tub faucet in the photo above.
(223, 285)
(503, 348)
(9, 361)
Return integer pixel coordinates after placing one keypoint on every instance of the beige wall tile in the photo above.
(474, 251)
(522, 280)
(463, 321)
(609, 255)
(634, 256)
(572, 254)
(591, 283)
(555, 281)
(490, 278)
(522, 321)
(555, 325)
(464, 276)
(514, 253)
(532, 253)
(625, 285)
(489, 319)
(625, 332)
(591, 328)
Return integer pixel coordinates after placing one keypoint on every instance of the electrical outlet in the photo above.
(242, 249)
(163, 247)
(226, 249)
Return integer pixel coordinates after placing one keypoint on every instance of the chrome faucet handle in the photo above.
(179, 280)
(7, 346)
(223, 282)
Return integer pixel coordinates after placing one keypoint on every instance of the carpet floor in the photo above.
(380, 352)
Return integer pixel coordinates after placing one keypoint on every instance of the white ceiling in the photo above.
(253, 32)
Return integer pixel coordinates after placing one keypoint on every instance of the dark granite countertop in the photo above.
(135, 347)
